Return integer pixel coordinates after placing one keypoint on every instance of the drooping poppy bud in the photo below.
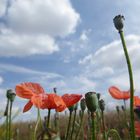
(98, 96)
(10, 95)
(83, 104)
(102, 104)
(118, 22)
(91, 101)
(71, 108)
(123, 108)
(76, 106)
(118, 109)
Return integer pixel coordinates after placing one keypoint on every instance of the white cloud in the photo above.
(2, 7)
(109, 63)
(48, 16)
(12, 44)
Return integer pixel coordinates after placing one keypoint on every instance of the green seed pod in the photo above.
(102, 105)
(10, 95)
(91, 101)
(118, 22)
(83, 104)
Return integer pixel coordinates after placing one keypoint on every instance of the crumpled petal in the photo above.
(27, 106)
(27, 89)
(71, 99)
(118, 94)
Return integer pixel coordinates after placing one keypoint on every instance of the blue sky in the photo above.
(71, 45)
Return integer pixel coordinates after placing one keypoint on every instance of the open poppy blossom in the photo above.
(137, 128)
(71, 99)
(118, 94)
(36, 95)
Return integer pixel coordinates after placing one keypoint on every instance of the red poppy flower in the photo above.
(36, 95)
(118, 94)
(71, 99)
(136, 101)
(137, 128)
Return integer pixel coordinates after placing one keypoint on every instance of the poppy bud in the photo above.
(123, 109)
(71, 108)
(118, 22)
(102, 105)
(117, 108)
(10, 95)
(137, 111)
(98, 96)
(75, 106)
(91, 101)
(83, 104)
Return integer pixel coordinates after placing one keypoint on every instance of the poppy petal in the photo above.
(27, 106)
(34, 87)
(136, 101)
(118, 94)
(23, 91)
(71, 99)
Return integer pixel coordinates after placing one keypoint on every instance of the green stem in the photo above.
(10, 114)
(37, 123)
(7, 119)
(81, 123)
(73, 124)
(131, 86)
(68, 128)
(93, 126)
(103, 124)
(48, 120)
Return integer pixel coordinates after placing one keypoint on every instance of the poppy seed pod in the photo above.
(83, 104)
(102, 105)
(91, 101)
(118, 22)
(10, 95)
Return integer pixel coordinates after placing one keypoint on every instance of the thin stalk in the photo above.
(7, 119)
(37, 123)
(10, 114)
(48, 120)
(68, 128)
(103, 125)
(131, 86)
(73, 124)
(81, 123)
(93, 126)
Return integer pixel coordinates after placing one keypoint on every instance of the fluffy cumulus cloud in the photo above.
(48, 16)
(12, 44)
(31, 26)
(109, 63)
